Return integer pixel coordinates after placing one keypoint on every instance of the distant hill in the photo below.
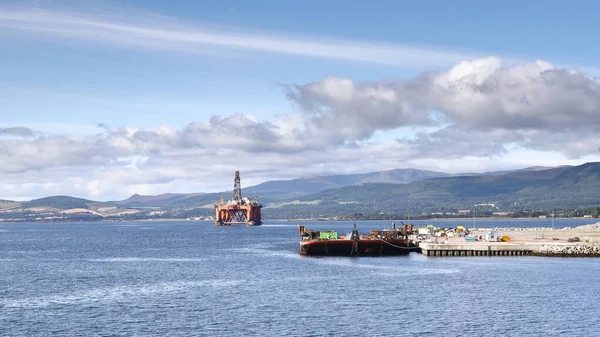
(517, 171)
(285, 189)
(6, 204)
(161, 200)
(275, 190)
(200, 200)
(278, 190)
(393, 191)
(538, 173)
(543, 168)
(580, 183)
(562, 187)
(58, 202)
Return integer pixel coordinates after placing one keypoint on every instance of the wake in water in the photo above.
(265, 249)
(384, 270)
(27, 252)
(118, 293)
(147, 259)
(266, 252)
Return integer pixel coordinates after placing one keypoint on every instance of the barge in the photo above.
(386, 242)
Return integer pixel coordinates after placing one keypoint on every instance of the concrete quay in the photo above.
(510, 249)
(523, 241)
(475, 249)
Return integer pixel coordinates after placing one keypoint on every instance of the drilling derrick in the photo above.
(237, 189)
(238, 210)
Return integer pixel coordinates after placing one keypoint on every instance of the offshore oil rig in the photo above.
(238, 210)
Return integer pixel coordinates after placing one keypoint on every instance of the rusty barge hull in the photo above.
(366, 247)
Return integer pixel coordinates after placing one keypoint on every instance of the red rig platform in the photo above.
(238, 210)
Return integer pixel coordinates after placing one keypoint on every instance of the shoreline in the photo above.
(468, 220)
(441, 219)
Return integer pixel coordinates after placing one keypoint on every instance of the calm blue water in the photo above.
(195, 279)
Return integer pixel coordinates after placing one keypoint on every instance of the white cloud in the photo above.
(479, 115)
(141, 30)
(481, 104)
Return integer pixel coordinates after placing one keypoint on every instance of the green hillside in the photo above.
(58, 202)
(162, 200)
(569, 187)
(285, 189)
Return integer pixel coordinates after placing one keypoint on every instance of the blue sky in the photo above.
(533, 29)
(115, 84)
(162, 77)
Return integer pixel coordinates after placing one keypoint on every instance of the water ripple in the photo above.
(148, 259)
(196, 279)
(127, 292)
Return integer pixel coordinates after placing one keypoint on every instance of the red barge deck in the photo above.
(385, 242)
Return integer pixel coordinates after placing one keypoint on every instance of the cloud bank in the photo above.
(477, 114)
(17, 132)
(483, 101)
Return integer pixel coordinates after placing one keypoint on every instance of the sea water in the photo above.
(190, 278)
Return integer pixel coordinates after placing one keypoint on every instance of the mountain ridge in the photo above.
(562, 187)
(400, 190)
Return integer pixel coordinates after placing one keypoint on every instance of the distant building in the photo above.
(464, 211)
(491, 236)
(502, 213)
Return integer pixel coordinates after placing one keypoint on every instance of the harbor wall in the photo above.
(581, 250)
(508, 249)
